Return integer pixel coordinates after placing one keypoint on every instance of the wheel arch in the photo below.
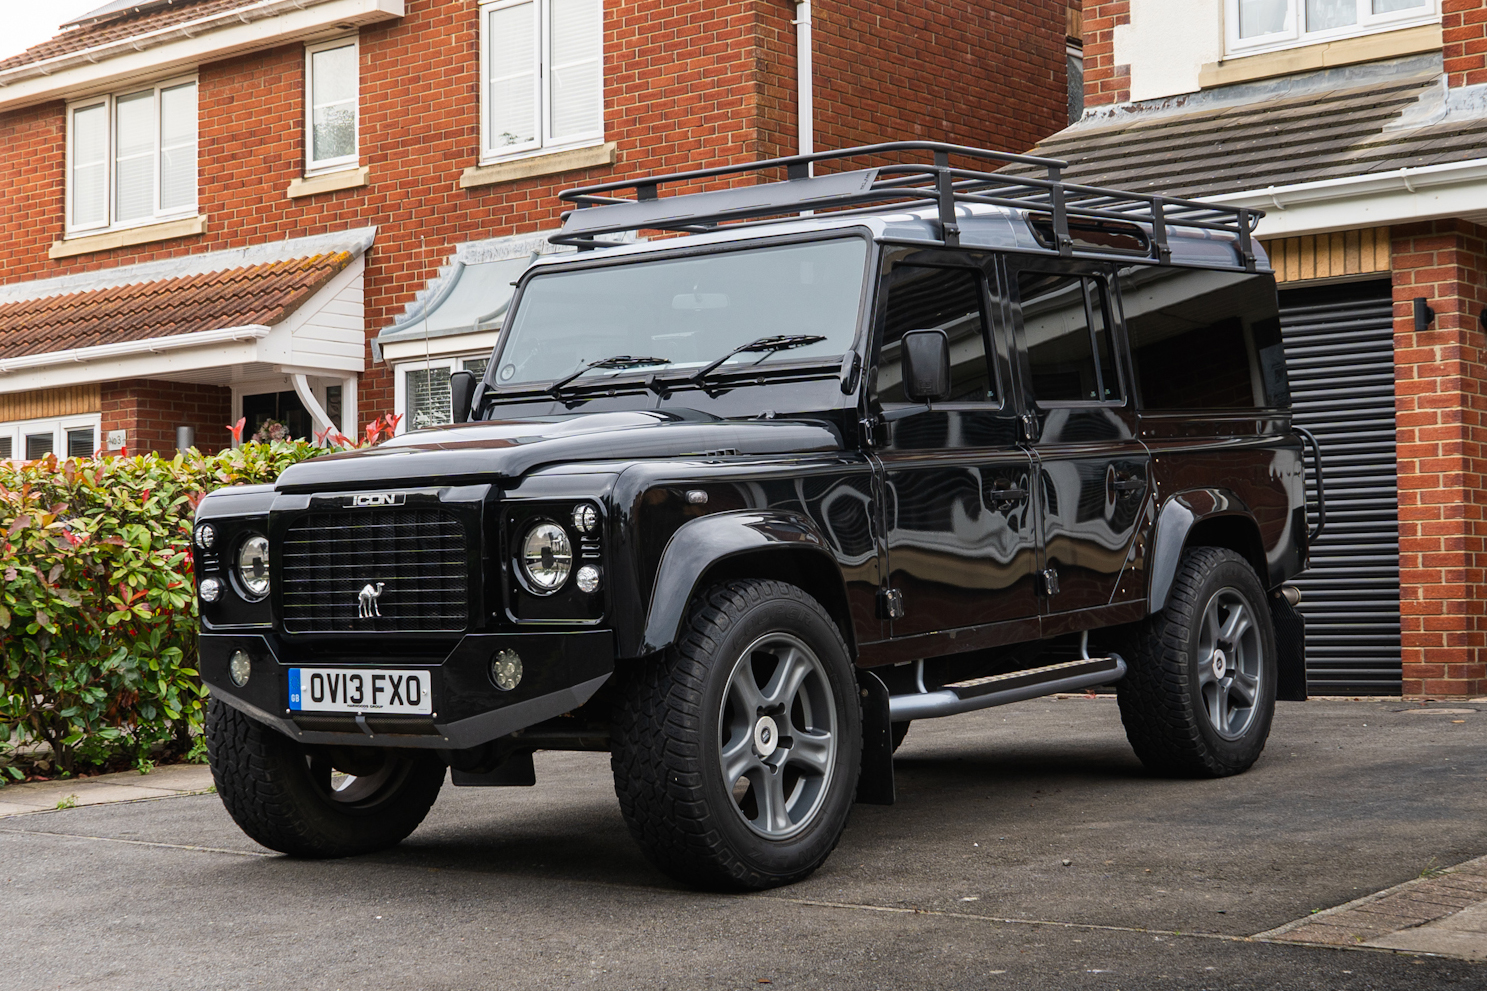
(742, 544)
(1203, 518)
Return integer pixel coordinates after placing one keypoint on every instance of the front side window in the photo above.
(1263, 25)
(542, 69)
(132, 157)
(686, 312)
(332, 73)
(948, 299)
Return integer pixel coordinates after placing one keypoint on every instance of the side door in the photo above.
(961, 546)
(1092, 472)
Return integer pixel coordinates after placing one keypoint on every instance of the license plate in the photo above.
(361, 690)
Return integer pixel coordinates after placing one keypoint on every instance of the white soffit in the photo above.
(256, 27)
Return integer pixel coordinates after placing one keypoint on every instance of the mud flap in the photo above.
(1290, 643)
(875, 782)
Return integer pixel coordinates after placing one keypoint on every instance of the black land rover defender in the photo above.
(739, 505)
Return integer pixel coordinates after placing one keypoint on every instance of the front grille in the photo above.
(335, 563)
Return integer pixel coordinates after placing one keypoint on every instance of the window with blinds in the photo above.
(542, 72)
(423, 389)
(132, 157)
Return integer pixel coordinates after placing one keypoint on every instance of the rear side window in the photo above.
(1204, 340)
(948, 299)
(1066, 323)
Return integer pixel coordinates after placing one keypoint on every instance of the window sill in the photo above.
(86, 244)
(1306, 58)
(550, 163)
(329, 182)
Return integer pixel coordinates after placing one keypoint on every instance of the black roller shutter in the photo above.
(1339, 344)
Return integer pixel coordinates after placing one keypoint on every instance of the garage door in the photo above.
(1340, 353)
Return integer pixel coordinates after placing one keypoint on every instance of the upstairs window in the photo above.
(1264, 25)
(542, 75)
(332, 77)
(131, 157)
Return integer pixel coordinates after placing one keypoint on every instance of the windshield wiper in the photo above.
(764, 345)
(614, 361)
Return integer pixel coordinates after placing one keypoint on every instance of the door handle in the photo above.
(1008, 495)
(1128, 484)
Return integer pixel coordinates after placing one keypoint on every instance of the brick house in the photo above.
(1360, 126)
(311, 210)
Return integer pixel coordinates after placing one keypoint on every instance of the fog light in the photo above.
(240, 668)
(206, 536)
(211, 590)
(506, 670)
(587, 578)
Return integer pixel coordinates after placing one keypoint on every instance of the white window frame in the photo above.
(1294, 34)
(450, 363)
(545, 141)
(321, 167)
(18, 430)
(110, 102)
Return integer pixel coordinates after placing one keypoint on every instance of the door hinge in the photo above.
(890, 603)
(1029, 427)
(1050, 581)
(868, 426)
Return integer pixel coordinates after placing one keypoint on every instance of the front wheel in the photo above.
(736, 752)
(1199, 694)
(317, 801)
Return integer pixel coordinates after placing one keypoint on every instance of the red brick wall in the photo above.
(985, 74)
(1464, 26)
(149, 412)
(1104, 81)
(689, 83)
(1442, 426)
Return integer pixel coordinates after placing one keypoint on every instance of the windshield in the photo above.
(686, 312)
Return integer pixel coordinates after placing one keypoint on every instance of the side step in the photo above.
(1001, 689)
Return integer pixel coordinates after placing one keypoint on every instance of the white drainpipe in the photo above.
(804, 72)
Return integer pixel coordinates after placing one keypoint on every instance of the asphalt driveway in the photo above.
(1028, 849)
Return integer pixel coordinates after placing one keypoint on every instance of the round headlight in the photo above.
(206, 536)
(546, 557)
(585, 519)
(253, 566)
(211, 590)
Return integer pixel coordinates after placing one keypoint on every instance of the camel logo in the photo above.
(366, 601)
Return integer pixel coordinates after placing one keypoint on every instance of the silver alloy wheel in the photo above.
(1230, 663)
(777, 743)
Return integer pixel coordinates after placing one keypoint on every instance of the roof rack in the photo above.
(598, 211)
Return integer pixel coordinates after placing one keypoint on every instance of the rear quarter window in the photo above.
(1203, 339)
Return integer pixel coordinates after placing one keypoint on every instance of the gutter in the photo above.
(1408, 180)
(805, 100)
(123, 349)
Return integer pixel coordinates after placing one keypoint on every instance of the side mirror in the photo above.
(926, 361)
(461, 394)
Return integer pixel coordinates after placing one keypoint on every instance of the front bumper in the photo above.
(561, 671)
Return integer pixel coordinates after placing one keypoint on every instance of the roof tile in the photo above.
(118, 28)
(255, 294)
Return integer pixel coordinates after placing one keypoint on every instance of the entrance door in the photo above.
(277, 407)
(961, 547)
(1092, 471)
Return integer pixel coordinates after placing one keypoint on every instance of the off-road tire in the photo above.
(1164, 716)
(665, 742)
(265, 781)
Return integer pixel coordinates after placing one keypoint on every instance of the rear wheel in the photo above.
(310, 801)
(736, 752)
(1199, 694)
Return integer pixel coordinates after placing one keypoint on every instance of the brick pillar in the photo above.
(1104, 81)
(1464, 32)
(1442, 425)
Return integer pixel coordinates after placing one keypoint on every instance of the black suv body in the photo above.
(739, 505)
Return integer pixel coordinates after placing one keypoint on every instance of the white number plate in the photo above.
(361, 690)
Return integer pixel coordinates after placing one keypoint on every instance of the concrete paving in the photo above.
(963, 884)
(126, 786)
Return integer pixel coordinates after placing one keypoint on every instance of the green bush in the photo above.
(98, 607)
